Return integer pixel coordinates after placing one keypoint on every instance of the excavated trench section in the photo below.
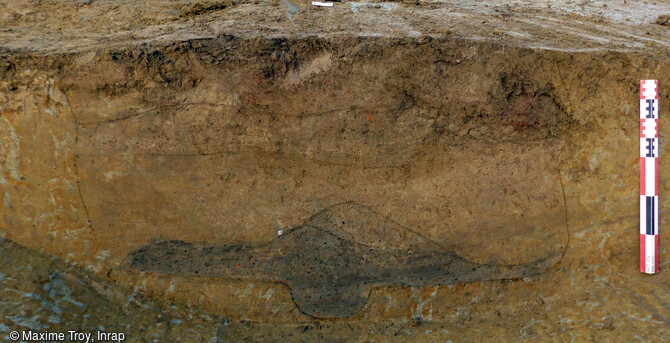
(303, 178)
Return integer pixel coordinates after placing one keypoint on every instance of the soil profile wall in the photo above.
(502, 156)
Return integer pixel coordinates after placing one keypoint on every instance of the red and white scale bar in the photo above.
(649, 176)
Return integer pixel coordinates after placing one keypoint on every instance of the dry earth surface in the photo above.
(461, 171)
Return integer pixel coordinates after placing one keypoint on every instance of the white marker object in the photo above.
(649, 176)
(322, 4)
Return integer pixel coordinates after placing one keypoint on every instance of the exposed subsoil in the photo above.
(394, 171)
